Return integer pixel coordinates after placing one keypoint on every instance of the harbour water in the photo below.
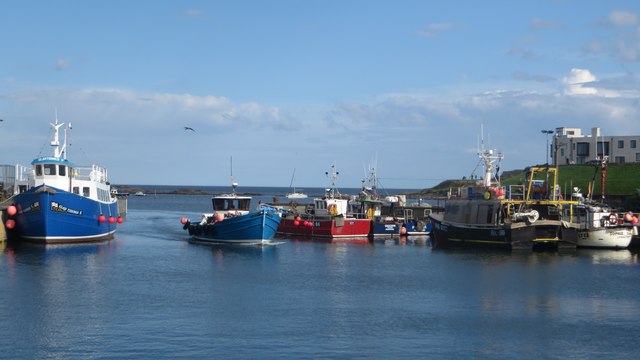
(150, 293)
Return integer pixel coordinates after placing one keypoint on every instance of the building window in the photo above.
(619, 159)
(637, 157)
(561, 152)
(582, 149)
(632, 144)
(603, 145)
(620, 144)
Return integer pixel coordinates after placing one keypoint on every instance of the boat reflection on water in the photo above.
(602, 257)
(56, 250)
(359, 240)
(406, 240)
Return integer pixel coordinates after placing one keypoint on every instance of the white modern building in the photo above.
(570, 146)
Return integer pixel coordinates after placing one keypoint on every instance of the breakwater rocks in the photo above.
(129, 189)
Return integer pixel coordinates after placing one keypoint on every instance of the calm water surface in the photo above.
(150, 293)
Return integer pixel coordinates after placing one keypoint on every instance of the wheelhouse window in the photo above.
(38, 170)
(76, 190)
(62, 170)
(86, 192)
(49, 169)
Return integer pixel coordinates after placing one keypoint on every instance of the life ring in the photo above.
(613, 219)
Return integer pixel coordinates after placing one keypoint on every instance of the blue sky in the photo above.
(404, 86)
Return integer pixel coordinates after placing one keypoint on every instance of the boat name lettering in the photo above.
(61, 208)
(389, 227)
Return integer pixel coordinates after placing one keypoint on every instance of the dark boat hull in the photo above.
(517, 236)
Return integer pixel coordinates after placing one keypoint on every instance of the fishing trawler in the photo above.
(65, 203)
(528, 216)
(233, 222)
(596, 224)
(328, 217)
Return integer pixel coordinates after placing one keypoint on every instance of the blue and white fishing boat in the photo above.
(64, 203)
(233, 222)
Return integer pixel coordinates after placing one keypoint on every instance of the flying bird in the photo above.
(188, 128)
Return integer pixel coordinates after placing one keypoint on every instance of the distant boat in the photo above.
(65, 203)
(293, 194)
(328, 217)
(233, 222)
(139, 193)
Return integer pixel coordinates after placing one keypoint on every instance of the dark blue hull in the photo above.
(399, 228)
(50, 215)
(252, 228)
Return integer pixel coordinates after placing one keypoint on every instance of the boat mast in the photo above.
(490, 161)
(234, 184)
(334, 176)
(58, 152)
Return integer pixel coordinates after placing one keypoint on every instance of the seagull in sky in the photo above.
(188, 128)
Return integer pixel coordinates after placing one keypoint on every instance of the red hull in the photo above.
(330, 228)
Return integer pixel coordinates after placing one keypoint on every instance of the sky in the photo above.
(410, 88)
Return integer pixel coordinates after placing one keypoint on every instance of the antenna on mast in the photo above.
(234, 184)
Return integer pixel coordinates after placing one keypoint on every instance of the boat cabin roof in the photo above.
(51, 160)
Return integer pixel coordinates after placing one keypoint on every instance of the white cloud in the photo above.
(435, 29)
(62, 64)
(622, 18)
(538, 24)
(574, 83)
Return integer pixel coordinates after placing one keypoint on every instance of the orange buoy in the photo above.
(112, 220)
(102, 218)
(12, 210)
(120, 220)
(403, 230)
(182, 220)
(10, 224)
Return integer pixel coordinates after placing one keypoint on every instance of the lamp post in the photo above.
(547, 133)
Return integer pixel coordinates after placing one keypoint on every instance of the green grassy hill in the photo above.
(621, 180)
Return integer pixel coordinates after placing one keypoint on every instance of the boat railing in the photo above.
(92, 173)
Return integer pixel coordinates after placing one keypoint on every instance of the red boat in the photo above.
(328, 217)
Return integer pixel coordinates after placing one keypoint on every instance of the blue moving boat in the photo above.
(232, 222)
(64, 203)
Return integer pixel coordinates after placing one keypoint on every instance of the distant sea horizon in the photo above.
(257, 190)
